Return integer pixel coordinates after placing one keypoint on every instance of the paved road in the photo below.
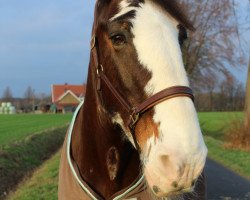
(223, 184)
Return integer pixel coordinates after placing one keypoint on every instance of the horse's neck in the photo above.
(93, 137)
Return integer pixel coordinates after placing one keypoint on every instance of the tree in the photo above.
(43, 99)
(212, 47)
(239, 97)
(247, 101)
(29, 93)
(210, 85)
(7, 95)
(29, 99)
(231, 94)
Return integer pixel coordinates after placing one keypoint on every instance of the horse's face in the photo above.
(139, 47)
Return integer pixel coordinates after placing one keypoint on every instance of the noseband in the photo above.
(135, 112)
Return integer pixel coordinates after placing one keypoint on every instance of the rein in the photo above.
(134, 112)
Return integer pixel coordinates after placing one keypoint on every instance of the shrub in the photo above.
(238, 136)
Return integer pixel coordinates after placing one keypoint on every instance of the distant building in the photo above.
(65, 98)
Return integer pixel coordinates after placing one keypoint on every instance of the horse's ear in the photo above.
(101, 3)
(104, 1)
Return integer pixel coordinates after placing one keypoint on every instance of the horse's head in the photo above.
(139, 51)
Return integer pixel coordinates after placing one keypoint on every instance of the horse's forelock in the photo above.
(105, 9)
(171, 6)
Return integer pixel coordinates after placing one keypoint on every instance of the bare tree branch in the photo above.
(215, 45)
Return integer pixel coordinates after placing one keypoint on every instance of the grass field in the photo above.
(214, 124)
(43, 184)
(17, 127)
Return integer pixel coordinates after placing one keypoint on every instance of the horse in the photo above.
(137, 135)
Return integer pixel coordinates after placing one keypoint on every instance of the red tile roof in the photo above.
(59, 90)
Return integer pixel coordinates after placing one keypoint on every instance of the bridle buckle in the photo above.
(92, 42)
(134, 117)
(99, 70)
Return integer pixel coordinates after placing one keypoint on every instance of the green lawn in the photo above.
(214, 124)
(19, 126)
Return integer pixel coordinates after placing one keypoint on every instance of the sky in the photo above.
(47, 42)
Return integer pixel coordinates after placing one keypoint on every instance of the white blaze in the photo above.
(156, 42)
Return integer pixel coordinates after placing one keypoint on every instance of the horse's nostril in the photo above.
(193, 183)
(156, 189)
(175, 184)
(165, 160)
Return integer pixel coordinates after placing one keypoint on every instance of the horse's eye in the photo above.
(182, 34)
(118, 39)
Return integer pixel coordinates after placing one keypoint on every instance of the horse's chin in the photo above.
(174, 195)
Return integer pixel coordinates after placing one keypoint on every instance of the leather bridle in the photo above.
(134, 111)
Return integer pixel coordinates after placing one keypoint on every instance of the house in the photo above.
(65, 98)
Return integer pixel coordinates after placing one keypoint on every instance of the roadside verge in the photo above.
(18, 160)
